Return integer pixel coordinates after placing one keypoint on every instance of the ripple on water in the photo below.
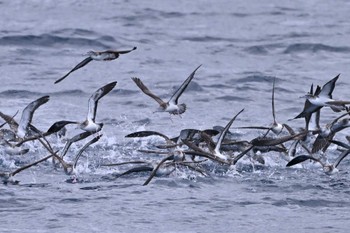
(48, 40)
(315, 47)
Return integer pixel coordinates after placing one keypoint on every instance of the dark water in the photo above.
(242, 46)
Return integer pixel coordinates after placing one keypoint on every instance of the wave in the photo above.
(19, 93)
(75, 92)
(124, 92)
(232, 98)
(208, 39)
(310, 203)
(257, 49)
(31, 94)
(256, 78)
(75, 32)
(315, 47)
(48, 40)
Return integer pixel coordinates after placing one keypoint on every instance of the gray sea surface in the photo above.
(242, 46)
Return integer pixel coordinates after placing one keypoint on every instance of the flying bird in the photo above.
(22, 128)
(172, 105)
(107, 55)
(89, 124)
(324, 98)
(275, 127)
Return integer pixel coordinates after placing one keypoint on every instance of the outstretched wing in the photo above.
(273, 101)
(182, 88)
(80, 65)
(341, 157)
(93, 100)
(76, 138)
(300, 159)
(145, 90)
(121, 52)
(10, 121)
(328, 88)
(147, 134)
(224, 132)
(58, 125)
(321, 142)
(28, 112)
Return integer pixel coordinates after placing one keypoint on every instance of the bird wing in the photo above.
(264, 141)
(199, 152)
(145, 90)
(273, 101)
(123, 51)
(300, 159)
(328, 88)
(314, 120)
(341, 144)
(28, 112)
(95, 139)
(321, 142)
(224, 132)
(80, 65)
(317, 91)
(338, 102)
(174, 99)
(76, 138)
(58, 125)
(146, 134)
(93, 100)
(309, 108)
(240, 155)
(9, 120)
(253, 127)
(341, 157)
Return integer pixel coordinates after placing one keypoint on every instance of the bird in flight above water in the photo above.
(275, 127)
(89, 124)
(107, 55)
(324, 98)
(172, 105)
(24, 126)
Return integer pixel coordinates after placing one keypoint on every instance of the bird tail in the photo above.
(182, 109)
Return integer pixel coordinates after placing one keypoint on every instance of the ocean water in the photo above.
(242, 46)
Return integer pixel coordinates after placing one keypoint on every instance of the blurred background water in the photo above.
(242, 46)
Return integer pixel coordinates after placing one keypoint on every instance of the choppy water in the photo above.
(242, 46)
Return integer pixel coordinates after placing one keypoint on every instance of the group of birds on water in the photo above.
(200, 151)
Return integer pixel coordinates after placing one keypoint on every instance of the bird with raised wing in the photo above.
(89, 124)
(172, 105)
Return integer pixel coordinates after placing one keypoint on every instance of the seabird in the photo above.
(311, 112)
(22, 129)
(327, 167)
(216, 155)
(327, 133)
(95, 139)
(172, 105)
(76, 138)
(89, 124)
(324, 98)
(107, 55)
(276, 127)
(54, 128)
(265, 141)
